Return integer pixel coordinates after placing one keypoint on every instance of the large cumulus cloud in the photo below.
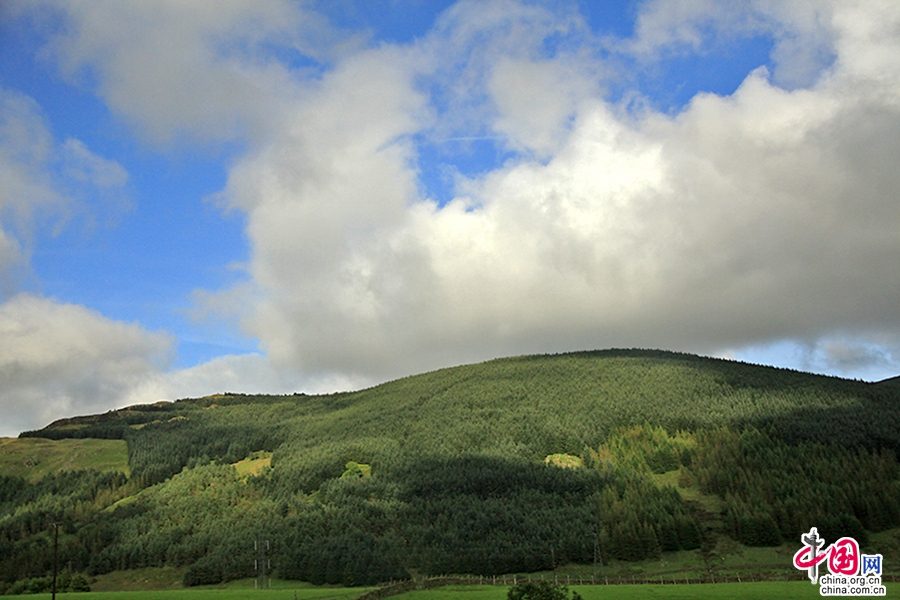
(764, 215)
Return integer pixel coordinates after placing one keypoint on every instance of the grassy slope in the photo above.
(253, 464)
(32, 458)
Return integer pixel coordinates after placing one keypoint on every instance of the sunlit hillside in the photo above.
(448, 471)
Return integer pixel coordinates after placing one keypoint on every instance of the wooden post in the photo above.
(55, 555)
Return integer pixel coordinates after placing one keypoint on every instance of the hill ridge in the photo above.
(138, 410)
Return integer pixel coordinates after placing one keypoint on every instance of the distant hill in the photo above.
(890, 381)
(582, 397)
(445, 471)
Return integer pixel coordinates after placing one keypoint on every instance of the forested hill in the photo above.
(446, 471)
(533, 404)
(892, 381)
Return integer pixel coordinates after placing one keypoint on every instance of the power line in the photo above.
(262, 565)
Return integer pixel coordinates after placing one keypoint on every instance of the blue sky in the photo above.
(238, 196)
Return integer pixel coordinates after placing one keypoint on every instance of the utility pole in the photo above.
(55, 555)
(262, 564)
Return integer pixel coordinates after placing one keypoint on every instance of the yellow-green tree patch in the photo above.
(253, 464)
(566, 461)
(358, 470)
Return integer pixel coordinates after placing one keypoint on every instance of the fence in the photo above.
(427, 583)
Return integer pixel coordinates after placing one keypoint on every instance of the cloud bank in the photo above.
(764, 215)
(62, 359)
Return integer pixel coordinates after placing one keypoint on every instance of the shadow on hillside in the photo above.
(873, 424)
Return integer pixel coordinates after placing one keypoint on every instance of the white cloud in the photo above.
(850, 356)
(197, 68)
(803, 32)
(60, 360)
(247, 373)
(871, 355)
(82, 165)
(535, 101)
(766, 214)
(336, 180)
(474, 60)
(668, 24)
(26, 181)
(42, 181)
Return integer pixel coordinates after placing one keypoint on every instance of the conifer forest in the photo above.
(511, 466)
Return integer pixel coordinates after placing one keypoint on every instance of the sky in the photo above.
(279, 196)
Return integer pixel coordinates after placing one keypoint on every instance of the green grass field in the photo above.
(33, 458)
(253, 464)
(713, 591)
(167, 580)
(286, 591)
(212, 594)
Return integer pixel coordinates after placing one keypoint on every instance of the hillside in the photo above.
(33, 458)
(444, 471)
(894, 381)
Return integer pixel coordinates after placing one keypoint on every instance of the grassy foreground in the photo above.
(712, 591)
(279, 593)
